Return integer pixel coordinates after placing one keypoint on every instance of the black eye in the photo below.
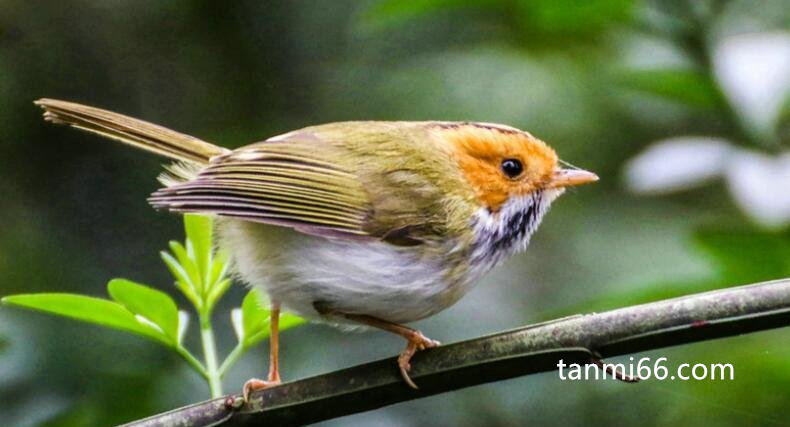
(512, 167)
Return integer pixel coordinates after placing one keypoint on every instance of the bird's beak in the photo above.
(570, 177)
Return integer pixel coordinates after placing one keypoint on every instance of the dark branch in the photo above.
(537, 348)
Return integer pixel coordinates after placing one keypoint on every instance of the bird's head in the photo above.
(515, 177)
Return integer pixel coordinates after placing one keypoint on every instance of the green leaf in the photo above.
(183, 282)
(217, 291)
(289, 320)
(88, 309)
(254, 317)
(199, 234)
(690, 87)
(746, 256)
(150, 303)
(219, 268)
(187, 263)
(199, 273)
(179, 251)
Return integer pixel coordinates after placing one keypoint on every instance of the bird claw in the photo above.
(254, 384)
(415, 343)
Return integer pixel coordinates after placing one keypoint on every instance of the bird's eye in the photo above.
(512, 167)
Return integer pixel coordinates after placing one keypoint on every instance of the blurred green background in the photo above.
(680, 106)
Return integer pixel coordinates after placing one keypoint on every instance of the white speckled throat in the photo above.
(501, 234)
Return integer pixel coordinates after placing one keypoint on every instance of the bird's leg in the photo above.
(415, 341)
(274, 365)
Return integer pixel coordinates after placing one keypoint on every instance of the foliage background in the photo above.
(599, 80)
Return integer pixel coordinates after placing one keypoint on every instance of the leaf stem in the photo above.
(184, 353)
(231, 359)
(210, 354)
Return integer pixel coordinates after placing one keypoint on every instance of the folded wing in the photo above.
(293, 182)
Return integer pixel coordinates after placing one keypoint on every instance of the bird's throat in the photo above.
(501, 234)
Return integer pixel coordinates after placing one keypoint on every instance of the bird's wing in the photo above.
(292, 182)
(322, 181)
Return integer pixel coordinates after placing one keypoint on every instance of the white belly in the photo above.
(398, 284)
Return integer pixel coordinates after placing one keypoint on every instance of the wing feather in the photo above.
(293, 183)
(275, 195)
(290, 191)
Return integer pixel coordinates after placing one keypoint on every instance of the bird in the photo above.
(372, 224)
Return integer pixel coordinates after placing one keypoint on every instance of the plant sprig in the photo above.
(201, 274)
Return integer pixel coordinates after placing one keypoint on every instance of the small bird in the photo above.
(368, 223)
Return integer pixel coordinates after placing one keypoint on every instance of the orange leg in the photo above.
(274, 362)
(415, 341)
(274, 345)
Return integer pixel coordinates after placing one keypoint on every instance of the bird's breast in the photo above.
(316, 276)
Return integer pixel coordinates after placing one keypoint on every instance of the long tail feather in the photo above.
(138, 133)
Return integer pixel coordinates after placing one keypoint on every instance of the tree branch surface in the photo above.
(537, 348)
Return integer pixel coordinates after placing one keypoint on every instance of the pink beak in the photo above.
(571, 177)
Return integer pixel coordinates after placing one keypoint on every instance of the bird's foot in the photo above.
(254, 384)
(416, 342)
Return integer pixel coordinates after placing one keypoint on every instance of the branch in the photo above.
(538, 348)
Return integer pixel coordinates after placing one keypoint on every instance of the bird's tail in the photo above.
(147, 136)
